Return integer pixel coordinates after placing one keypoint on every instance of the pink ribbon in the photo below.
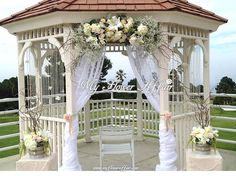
(69, 118)
(168, 121)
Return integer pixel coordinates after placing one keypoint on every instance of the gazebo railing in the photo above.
(183, 124)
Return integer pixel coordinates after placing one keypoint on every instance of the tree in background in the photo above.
(107, 65)
(226, 85)
(9, 89)
(133, 82)
(102, 83)
(120, 76)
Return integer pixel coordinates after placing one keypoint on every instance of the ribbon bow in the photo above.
(69, 119)
(168, 122)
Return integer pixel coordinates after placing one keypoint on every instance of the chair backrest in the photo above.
(116, 134)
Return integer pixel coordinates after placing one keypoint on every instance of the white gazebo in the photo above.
(44, 71)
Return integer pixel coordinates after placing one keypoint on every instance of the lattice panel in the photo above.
(40, 33)
(187, 31)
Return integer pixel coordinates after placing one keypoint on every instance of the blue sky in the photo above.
(222, 45)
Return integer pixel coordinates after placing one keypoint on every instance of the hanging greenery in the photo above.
(93, 36)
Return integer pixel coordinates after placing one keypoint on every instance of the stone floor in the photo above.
(146, 157)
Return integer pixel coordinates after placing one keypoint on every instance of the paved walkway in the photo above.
(146, 157)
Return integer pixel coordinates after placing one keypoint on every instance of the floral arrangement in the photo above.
(35, 137)
(204, 135)
(32, 140)
(93, 36)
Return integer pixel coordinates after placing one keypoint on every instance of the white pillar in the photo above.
(21, 83)
(139, 114)
(167, 154)
(206, 71)
(21, 89)
(70, 152)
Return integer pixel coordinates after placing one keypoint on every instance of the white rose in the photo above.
(109, 34)
(102, 24)
(123, 38)
(142, 29)
(123, 21)
(210, 135)
(130, 21)
(126, 28)
(31, 144)
(133, 40)
(96, 28)
(87, 29)
(117, 36)
(103, 20)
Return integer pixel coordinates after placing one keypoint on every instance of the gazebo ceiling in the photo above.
(50, 6)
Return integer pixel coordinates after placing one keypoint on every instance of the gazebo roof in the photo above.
(49, 6)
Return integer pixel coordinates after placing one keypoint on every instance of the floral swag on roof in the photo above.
(93, 36)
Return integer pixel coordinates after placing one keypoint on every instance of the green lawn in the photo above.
(224, 124)
(9, 130)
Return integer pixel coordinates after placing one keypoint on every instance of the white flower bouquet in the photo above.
(33, 140)
(203, 136)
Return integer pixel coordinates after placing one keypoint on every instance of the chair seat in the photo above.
(116, 148)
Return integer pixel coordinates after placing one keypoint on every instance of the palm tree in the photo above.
(120, 76)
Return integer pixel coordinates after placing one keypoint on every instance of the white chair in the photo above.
(116, 140)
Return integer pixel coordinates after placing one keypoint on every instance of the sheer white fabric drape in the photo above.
(85, 79)
(146, 71)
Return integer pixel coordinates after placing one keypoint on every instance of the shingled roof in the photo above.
(49, 6)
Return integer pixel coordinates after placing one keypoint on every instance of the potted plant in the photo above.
(35, 140)
(202, 137)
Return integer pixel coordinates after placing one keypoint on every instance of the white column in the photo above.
(21, 89)
(206, 71)
(21, 82)
(70, 161)
(87, 122)
(167, 154)
(139, 114)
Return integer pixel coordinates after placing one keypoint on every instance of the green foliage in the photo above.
(133, 82)
(102, 84)
(8, 89)
(107, 65)
(120, 76)
(226, 85)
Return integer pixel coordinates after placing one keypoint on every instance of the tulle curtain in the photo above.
(86, 76)
(146, 70)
